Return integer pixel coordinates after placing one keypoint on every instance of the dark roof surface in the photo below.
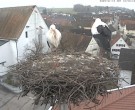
(13, 20)
(111, 28)
(2, 42)
(127, 59)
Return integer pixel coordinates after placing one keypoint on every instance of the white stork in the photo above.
(53, 37)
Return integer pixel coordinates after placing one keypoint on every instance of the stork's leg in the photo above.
(101, 55)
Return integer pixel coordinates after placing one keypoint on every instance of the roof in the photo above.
(13, 21)
(127, 21)
(115, 38)
(122, 99)
(130, 26)
(74, 42)
(111, 28)
(127, 59)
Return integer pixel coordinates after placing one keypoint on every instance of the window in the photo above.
(116, 50)
(26, 34)
(120, 45)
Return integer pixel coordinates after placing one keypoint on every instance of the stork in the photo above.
(53, 37)
(102, 34)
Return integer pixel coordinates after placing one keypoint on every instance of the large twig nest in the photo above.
(58, 78)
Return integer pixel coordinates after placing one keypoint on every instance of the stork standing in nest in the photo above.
(53, 37)
(53, 40)
(102, 34)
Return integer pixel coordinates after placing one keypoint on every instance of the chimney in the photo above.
(125, 78)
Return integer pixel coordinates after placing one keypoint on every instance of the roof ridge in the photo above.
(19, 6)
(121, 88)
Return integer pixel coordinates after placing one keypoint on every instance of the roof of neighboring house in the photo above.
(81, 31)
(115, 38)
(127, 22)
(127, 59)
(74, 42)
(130, 26)
(111, 28)
(13, 21)
(118, 99)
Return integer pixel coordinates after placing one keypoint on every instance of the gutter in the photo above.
(17, 50)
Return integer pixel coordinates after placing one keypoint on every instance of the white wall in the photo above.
(126, 75)
(93, 48)
(120, 41)
(40, 22)
(8, 55)
(34, 22)
(114, 33)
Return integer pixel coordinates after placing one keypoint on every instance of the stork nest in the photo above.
(66, 78)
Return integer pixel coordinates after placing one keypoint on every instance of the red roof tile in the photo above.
(127, 22)
(115, 38)
(123, 99)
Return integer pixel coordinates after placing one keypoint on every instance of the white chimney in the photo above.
(125, 78)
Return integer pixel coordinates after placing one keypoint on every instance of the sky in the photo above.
(68, 3)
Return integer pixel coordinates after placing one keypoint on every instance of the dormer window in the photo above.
(27, 26)
(120, 45)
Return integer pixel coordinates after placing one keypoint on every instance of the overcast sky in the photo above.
(68, 3)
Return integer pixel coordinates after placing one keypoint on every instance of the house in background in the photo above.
(122, 28)
(127, 26)
(113, 30)
(117, 42)
(130, 29)
(18, 27)
(127, 67)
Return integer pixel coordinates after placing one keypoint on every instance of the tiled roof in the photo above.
(126, 22)
(115, 38)
(74, 42)
(130, 26)
(123, 99)
(127, 59)
(13, 20)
